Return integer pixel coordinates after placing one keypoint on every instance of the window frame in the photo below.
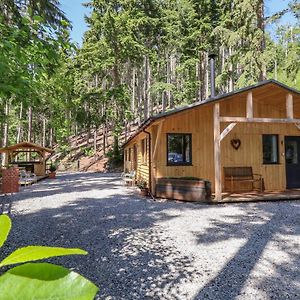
(170, 164)
(144, 150)
(277, 148)
(129, 154)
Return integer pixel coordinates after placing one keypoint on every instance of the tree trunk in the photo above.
(5, 131)
(133, 92)
(104, 139)
(30, 124)
(51, 138)
(261, 26)
(146, 100)
(231, 80)
(19, 131)
(44, 132)
(95, 143)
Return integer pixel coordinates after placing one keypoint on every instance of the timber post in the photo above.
(217, 153)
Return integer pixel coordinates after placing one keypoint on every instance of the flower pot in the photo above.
(52, 175)
(144, 192)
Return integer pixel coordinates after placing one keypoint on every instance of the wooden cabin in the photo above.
(257, 127)
(29, 156)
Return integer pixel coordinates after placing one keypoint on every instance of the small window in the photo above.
(144, 150)
(270, 149)
(179, 149)
(125, 155)
(129, 154)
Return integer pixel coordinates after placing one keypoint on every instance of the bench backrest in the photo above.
(238, 172)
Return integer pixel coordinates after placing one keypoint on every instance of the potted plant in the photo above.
(142, 185)
(52, 170)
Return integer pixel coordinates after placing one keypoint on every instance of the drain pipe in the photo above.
(149, 161)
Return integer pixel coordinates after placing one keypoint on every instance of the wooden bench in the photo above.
(234, 175)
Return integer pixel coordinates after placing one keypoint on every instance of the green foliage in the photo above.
(45, 281)
(89, 151)
(142, 184)
(5, 225)
(52, 168)
(115, 155)
(32, 253)
(137, 58)
(40, 280)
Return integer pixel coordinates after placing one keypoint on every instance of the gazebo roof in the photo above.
(27, 146)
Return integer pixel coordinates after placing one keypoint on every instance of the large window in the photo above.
(179, 149)
(270, 149)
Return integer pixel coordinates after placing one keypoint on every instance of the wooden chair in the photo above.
(129, 177)
(234, 175)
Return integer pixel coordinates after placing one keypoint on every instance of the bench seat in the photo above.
(236, 176)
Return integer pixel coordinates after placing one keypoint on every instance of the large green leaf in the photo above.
(45, 281)
(5, 226)
(31, 253)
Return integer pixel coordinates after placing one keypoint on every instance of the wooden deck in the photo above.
(39, 178)
(293, 194)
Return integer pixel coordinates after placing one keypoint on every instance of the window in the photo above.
(125, 155)
(144, 150)
(270, 149)
(179, 149)
(129, 154)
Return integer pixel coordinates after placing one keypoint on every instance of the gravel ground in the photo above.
(144, 249)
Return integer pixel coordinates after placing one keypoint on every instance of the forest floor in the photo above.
(144, 249)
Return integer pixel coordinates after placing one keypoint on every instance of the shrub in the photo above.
(52, 168)
(141, 184)
(40, 280)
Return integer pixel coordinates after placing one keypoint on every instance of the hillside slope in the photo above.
(88, 152)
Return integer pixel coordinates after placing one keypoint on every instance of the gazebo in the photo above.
(27, 155)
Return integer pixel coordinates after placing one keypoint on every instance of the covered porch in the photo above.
(28, 156)
(246, 119)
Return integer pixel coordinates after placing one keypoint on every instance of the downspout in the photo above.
(149, 160)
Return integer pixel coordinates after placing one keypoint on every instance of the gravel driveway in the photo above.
(144, 249)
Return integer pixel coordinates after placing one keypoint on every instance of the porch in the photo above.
(27, 156)
(260, 128)
(256, 196)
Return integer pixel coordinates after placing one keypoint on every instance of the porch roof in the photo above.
(262, 86)
(25, 146)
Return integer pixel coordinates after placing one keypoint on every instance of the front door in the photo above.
(292, 161)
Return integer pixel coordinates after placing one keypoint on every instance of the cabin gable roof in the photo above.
(211, 100)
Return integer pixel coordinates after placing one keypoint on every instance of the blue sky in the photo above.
(75, 12)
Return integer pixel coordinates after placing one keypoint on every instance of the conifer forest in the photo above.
(138, 58)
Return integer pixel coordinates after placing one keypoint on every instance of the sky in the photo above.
(75, 13)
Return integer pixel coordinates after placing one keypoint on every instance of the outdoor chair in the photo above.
(26, 178)
(129, 178)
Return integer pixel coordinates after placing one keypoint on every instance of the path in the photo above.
(141, 249)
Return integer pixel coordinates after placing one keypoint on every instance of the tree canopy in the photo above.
(137, 58)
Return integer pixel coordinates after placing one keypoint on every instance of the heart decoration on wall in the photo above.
(235, 143)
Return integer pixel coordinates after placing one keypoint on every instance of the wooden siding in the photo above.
(199, 122)
(142, 169)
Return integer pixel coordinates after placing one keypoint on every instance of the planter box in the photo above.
(183, 189)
